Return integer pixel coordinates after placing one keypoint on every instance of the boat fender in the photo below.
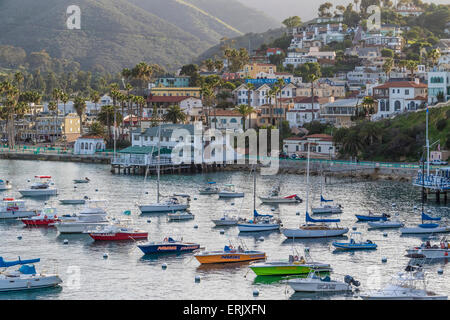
(28, 284)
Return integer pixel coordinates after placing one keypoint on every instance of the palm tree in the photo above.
(250, 88)
(142, 72)
(434, 56)
(106, 117)
(411, 65)
(270, 94)
(94, 96)
(352, 143)
(10, 95)
(174, 114)
(53, 107)
(368, 104)
(79, 104)
(387, 66)
(244, 110)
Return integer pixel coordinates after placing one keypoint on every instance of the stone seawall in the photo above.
(56, 157)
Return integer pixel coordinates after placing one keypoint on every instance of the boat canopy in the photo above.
(6, 264)
(324, 200)
(256, 214)
(27, 269)
(427, 217)
(226, 249)
(428, 225)
(309, 219)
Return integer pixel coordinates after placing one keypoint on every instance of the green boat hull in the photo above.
(284, 270)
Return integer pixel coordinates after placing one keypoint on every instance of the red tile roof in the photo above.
(401, 84)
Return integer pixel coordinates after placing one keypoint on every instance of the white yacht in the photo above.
(315, 283)
(429, 251)
(274, 197)
(5, 185)
(229, 191)
(172, 204)
(91, 217)
(229, 218)
(13, 209)
(26, 277)
(40, 187)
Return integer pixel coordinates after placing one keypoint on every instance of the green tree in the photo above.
(174, 114)
(79, 104)
(292, 22)
(245, 111)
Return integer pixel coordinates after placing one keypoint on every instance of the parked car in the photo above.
(283, 155)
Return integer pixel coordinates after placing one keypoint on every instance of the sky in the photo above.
(305, 9)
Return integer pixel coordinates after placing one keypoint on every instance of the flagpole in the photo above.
(428, 146)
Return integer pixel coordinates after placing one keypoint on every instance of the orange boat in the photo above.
(229, 254)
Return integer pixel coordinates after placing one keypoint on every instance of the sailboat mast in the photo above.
(428, 147)
(159, 161)
(307, 180)
(254, 189)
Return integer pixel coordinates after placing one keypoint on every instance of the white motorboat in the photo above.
(5, 185)
(40, 187)
(405, 286)
(314, 228)
(428, 251)
(210, 189)
(425, 230)
(26, 277)
(85, 180)
(72, 201)
(180, 215)
(315, 283)
(229, 191)
(91, 217)
(385, 224)
(228, 219)
(13, 209)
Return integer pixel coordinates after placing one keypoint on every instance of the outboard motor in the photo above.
(351, 281)
(298, 199)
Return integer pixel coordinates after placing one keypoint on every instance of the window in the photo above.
(406, 91)
(397, 105)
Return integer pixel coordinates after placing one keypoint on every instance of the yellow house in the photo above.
(176, 91)
(71, 127)
(251, 70)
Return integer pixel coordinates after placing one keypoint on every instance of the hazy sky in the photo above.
(305, 9)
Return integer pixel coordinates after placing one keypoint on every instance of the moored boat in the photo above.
(229, 255)
(5, 185)
(169, 205)
(40, 188)
(168, 245)
(47, 217)
(229, 191)
(115, 232)
(26, 277)
(274, 197)
(260, 222)
(428, 251)
(315, 283)
(13, 209)
(210, 189)
(73, 201)
(372, 217)
(180, 215)
(357, 244)
(294, 266)
(385, 224)
(227, 219)
(426, 228)
(85, 180)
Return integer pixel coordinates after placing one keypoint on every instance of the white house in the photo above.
(438, 84)
(302, 112)
(230, 120)
(89, 145)
(321, 145)
(399, 96)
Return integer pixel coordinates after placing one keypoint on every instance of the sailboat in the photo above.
(170, 205)
(260, 222)
(326, 208)
(314, 228)
(425, 227)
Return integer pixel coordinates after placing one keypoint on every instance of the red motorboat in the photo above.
(117, 233)
(47, 217)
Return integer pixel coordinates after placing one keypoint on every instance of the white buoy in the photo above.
(384, 259)
(222, 231)
(105, 256)
(385, 234)
(19, 237)
(197, 279)
(66, 241)
(255, 293)
(261, 238)
(164, 266)
(440, 271)
(195, 226)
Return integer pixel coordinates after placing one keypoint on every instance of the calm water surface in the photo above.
(127, 274)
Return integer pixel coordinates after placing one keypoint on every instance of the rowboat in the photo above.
(26, 277)
(229, 254)
(355, 244)
(85, 180)
(168, 245)
(315, 283)
(294, 266)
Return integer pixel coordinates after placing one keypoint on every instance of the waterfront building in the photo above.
(252, 69)
(231, 120)
(169, 81)
(340, 112)
(321, 145)
(89, 145)
(175, 92)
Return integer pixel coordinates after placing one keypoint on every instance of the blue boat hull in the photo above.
(370, 218)
(168, 248)
(354, 246)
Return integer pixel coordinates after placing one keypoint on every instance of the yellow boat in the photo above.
(229, 254)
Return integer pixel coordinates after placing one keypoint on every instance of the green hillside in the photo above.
(119, 33)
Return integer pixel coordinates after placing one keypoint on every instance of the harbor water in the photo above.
(127, 274)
